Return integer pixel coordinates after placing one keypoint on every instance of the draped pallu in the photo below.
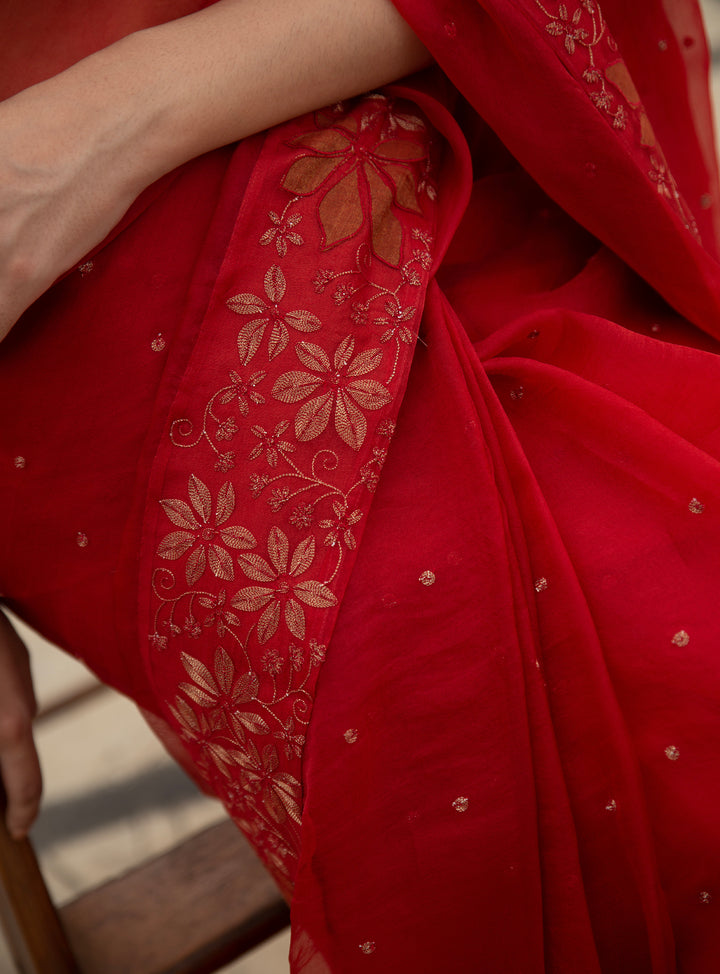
(386, 482)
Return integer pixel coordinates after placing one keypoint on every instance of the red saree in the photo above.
(437, 622)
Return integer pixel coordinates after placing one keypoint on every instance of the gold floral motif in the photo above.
(267, 312)
(207, 542)
(588, 42)
(283, 589)
(243, 707)
(340, 526)
(341, 390)
(282, 230)
(361, 176)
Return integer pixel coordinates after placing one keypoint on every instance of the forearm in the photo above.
(238, 67)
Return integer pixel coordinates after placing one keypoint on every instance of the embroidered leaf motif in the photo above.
(302, 559)
(312, 418)
(315, 594)
(179, 513)
(268, 622)
(312, 357)
(275, 284)
(252, 599)
(344, 392)
(253, 722)
(350, 423)
(175, 544)
(295, 618)
(195, 565)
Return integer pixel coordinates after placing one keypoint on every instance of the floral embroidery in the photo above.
(362, 175)
(206, 543)
(307, 443)
(283, 588)
(271, 444)
(268, 313)
(282, 230)
(340, 526)
(591, 53)
(341, 390)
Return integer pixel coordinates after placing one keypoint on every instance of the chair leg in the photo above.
(35, 935)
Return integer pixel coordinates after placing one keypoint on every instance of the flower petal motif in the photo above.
(268, 313)
(313, 417)
(349, 165)
(285, 589)
(278, 549)
(175, 544)
(343, 389)
(179, 513)
(205, 538)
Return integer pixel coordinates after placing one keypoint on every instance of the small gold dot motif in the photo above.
(451, 29)
(20, 463)
(427, 578)
(518, 393)
(534, 333)
(368, 947)
(655, 327)
(672, 753)
(611, 806)
(705, 897)
(351, 735)
(695, 506)
(681, 638)
(706, 201)
(461, 804)
(86, 267)
(158, 343)
(663, 45)
(82, 540)
(541, 584)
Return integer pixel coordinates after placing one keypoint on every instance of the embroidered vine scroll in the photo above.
(276, 441)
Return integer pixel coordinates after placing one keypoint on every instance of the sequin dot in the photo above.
(695, 506)
(541, 584)
(517, 393)
(655, 327)
(663, 45)
(672, 753)
(451, 29)
(20, 463)
(351, 735)
(705, 201)
(611, 806)
(461, 804)
(86, 267)
(680, 638)
(534, 333)
(427, 578)
(705, 897)
(368, 947)
(158, 343)
(82, 540)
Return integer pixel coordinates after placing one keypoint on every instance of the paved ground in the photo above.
(112, 797)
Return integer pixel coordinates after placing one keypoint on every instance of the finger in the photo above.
(20, 768)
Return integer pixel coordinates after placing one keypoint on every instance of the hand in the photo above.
(19, 764)
(77, 149)
(65, 181)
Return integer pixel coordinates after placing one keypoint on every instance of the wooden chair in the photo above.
(190, 911)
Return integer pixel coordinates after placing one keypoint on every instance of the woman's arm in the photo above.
(77, 149)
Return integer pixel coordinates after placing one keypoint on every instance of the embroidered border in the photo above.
(278, 436)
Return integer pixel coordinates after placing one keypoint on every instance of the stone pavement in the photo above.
(112, 796)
